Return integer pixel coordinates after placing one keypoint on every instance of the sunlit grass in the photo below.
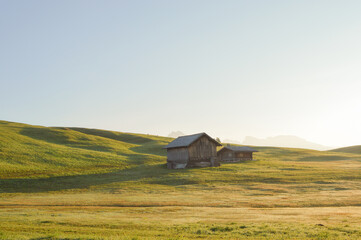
(180, 223)
(31, 151)
(74, 183)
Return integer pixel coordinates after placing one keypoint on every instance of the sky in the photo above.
(228, 68)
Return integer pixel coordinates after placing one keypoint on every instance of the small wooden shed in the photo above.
(197, 150)
(235, 153)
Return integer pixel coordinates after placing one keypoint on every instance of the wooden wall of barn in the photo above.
(226, 154)
(202, 150)
(245, 155)
(178, 155)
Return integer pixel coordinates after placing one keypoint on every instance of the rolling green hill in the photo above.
(35, 152)
(28, 151)
(77, 183)
(353, 149)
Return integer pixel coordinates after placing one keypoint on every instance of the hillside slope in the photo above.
(353, 149)
(63, 158)
(77, 183)
(35, 151)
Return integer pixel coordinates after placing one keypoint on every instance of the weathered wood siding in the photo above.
(227, 155)
(178, 155)
(203, 153)
(244, 155)
(202, 149)
(200, 153)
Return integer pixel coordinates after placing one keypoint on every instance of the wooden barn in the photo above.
(235, 153)
(197, 150)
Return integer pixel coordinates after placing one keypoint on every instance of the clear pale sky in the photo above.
(229, 68)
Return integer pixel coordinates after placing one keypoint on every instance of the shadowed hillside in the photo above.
(35, 151)
(352, 149)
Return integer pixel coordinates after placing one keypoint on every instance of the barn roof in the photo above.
(240, 149)
(185, 141)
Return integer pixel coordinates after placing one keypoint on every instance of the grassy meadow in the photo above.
(76, 183)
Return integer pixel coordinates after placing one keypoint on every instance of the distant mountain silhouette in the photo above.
(284, 141)
(231, 141)
(175, 134)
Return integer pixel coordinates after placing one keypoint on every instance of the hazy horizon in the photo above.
(231, 69)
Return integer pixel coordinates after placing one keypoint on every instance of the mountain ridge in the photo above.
(290, 141)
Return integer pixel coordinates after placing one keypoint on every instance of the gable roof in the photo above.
(239, 149)
(185, 141)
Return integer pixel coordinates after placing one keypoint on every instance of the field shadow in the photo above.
(39, 185)
(145, 145)
(56, 136)
(59, 136)
(123, 137)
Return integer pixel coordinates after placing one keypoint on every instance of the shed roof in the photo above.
(240, 149)
(185, 141)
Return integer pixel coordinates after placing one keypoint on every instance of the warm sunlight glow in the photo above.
(233, 69)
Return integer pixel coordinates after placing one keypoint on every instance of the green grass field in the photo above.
(75, 183)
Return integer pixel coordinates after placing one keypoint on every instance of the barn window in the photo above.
(229, 154)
